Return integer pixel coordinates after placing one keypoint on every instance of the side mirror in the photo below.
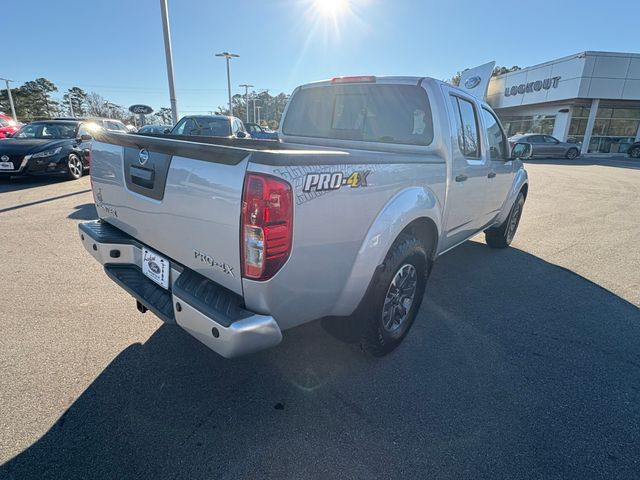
(85, 137)
(521, 151)
(167, 131)
(8, 135)
(241, 134)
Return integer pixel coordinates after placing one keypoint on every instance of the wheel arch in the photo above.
(414, 210)
(426, 231)
(520, 184)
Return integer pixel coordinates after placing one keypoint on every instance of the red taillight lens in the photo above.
(266, 225)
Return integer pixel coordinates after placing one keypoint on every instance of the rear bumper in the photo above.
(209, 312)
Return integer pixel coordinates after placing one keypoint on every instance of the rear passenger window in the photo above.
(467, 127)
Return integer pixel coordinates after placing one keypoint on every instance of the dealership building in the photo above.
(592, 98)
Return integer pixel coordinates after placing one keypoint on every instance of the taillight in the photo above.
(266, 225)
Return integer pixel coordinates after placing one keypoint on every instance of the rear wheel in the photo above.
(74, 167)
(634, 152)
(572, 153)
(394, 300)
(502, 235)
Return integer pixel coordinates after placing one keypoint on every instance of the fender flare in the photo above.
(406, 206)
(521, 179)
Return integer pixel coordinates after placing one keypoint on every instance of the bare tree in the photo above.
(96, 105)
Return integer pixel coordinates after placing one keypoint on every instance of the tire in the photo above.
(394, 299)
(572, 153)
(502, 235)
(634, 152)
(75, 168)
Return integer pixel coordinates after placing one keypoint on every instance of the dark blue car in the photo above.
(45, 148)
(256, 131)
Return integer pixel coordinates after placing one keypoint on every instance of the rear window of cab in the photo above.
(397, 114)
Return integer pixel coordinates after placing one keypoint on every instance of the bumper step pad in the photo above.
(151, 295)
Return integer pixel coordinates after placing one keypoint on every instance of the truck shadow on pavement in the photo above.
(515, 368)
(86, 211)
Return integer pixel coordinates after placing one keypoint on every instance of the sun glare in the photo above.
(331, 8)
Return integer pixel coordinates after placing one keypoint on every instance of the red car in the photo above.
(7, 125)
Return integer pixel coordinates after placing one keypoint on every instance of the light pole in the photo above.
(71, 105)
(169, 56)
(228, 56)
(254, 107)
(246, 97)
(13, 108)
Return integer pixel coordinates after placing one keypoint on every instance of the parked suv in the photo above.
(547, 146)
(110, 124)
(210, 126)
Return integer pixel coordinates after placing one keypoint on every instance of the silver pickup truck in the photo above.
(370, 181)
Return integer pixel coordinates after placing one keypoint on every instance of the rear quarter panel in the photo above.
(342, 235)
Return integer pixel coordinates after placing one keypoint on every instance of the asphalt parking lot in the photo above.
(523, 363)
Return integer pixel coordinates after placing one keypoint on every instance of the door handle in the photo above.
(461, 178)
(491, 174)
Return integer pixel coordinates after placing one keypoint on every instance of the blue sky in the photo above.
(114, 47)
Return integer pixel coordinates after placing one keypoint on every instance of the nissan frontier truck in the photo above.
(371, 180)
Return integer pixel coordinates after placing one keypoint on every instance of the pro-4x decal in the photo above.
(322, 182)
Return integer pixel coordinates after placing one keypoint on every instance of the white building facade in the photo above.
(592, 98)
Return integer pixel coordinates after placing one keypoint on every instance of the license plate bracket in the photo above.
(156, 267)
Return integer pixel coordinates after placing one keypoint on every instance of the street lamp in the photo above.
(253, 97)
(228, 56)
(13, 108)
(246, 97)
(71, 97)
(169, 58)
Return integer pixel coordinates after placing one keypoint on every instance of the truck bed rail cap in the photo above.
(199, 151)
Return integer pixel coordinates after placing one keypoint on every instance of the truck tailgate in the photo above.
(180, 198)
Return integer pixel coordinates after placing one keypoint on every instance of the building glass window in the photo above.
(614, 129)
(515, 125)
(578, 125)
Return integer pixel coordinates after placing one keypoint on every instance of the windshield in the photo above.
(373, 113)
(47, 130)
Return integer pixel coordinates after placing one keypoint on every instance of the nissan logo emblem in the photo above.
(472, 82)
(143, 156)
(4, 158)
